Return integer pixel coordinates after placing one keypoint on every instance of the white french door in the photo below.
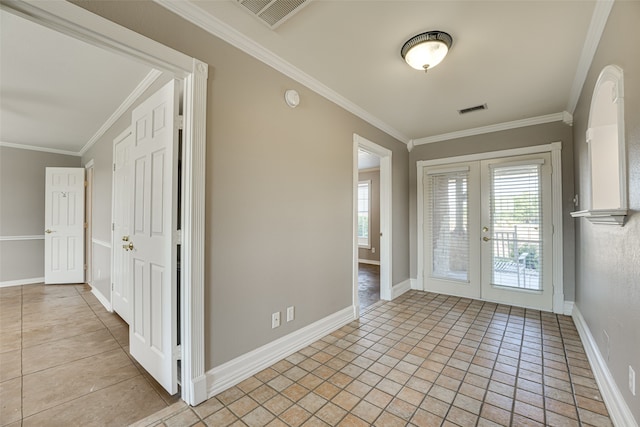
(149, 246)
(64, 226)
(488, 230)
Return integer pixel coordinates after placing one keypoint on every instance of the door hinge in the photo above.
(112, 286)
(86, 225)
(114, 167)
(85, 267)
(113, 226)
(86, 184)
(177, 237)
(177, 353)
(180, 122)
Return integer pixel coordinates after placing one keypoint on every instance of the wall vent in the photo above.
(472, 109)
(273, 13)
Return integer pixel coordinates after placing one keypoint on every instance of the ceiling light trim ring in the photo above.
(426, 37)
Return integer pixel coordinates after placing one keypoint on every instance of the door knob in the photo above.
(128, 247)
(485, 229)
(48, 231)
(486, 239)
(125, 238)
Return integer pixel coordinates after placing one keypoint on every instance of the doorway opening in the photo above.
(77, 22)
(368, 229)
(372, 224)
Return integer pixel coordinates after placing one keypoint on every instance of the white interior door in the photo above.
(488, 230)
(152, 222)
(517, 231)
(64, 226)
(122, 186)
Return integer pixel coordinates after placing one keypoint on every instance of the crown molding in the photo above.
(35, 148)
(144, 84)
(594, 33)
(549, 118)
(220, 29)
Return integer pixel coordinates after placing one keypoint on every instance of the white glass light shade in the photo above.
(426, 55)
(426, 50)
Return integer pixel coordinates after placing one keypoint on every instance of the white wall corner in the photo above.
(237, 370)
(618, 409)
(414, 284)
(103, 300)
(400, 288)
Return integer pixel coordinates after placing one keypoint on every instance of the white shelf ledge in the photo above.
(603, 216)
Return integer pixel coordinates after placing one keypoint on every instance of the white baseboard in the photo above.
(400, 289)
(103, 300)
(568, 308)
(368, 261)
(237, 370)
(618, 409)
(21, 282)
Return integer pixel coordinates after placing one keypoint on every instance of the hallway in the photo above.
(64, 361)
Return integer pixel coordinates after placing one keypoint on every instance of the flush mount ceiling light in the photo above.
(426, 50)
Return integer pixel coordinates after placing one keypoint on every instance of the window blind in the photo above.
(516, 224)
(448, 224)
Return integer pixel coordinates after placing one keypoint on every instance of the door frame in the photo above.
(88, 220)
(555, 148)
(386, 283)
(79, 23)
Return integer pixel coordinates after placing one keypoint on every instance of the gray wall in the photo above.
(372, 254)
(22, 187)
(513, 138)
(279, 191)
(608, 257)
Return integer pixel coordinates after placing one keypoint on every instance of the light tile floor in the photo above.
(422, 360)
(64, 361)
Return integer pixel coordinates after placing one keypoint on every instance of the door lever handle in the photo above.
(49, 231)
(128, 247)
(486, 239)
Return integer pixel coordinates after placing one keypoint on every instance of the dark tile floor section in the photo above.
(368, 285)
(422, 360)
(64, 361)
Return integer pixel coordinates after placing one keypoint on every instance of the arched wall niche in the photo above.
(607, 151)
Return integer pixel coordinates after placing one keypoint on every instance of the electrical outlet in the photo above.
(290, 313)
(275, 320)
(632, 380)
(373, 250)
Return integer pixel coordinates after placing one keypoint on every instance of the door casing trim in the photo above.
(555, 148)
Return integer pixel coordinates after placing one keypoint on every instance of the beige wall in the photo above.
(22, 186)
(608, 257)
(372, 254)
(513, 138)
(279, 191)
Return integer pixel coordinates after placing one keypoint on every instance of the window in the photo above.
(364, 217)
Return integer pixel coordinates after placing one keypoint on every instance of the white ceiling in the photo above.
(519, 57)
(367, 160)
(57, 92)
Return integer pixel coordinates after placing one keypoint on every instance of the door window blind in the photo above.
(448, 225)
(516, 225)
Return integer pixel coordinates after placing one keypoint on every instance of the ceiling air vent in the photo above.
(472, 109)
(273, 12)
